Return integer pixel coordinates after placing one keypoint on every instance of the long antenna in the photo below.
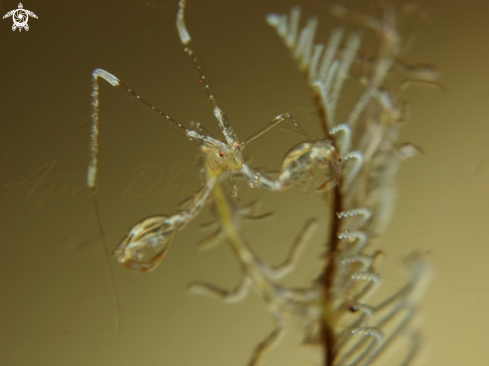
(189, 49)
(92, 176)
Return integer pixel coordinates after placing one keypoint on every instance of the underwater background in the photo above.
(56, 300)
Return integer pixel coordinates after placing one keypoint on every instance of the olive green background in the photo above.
(56, 302)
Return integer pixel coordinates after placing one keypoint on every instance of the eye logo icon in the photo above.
(20, 17)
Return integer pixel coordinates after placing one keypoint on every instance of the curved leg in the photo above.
(211, 240)
(247, 212)
(236, 294)
(264, 345)
(295, 251)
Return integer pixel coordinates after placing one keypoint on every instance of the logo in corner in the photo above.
(20, 17)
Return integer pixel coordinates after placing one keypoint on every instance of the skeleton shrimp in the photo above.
(146, 243)
(219, 157)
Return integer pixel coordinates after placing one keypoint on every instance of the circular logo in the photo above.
(20, 18)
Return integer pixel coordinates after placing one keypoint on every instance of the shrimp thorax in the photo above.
(231, 157)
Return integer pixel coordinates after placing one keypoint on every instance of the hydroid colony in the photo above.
(355, 164)
(363, 205)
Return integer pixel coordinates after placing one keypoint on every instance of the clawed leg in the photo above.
(151, 236)
(236, 294)
(156, 232)
(299, 244)
(252, 176)
(264, 345)
(298, 165)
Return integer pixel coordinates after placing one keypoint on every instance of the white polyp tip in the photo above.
(273, 19)
(317, 83)
(107, 76)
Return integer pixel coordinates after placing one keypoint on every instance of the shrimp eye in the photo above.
(353, 308)
(221, 154)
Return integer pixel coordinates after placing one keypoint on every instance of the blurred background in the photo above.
(56, 300)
